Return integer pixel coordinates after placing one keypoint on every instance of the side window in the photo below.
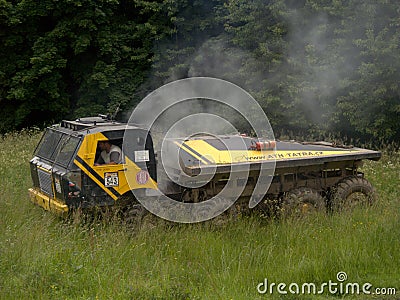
(109, 152)
(65, 150)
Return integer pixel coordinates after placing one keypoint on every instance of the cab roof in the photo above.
(89, 125)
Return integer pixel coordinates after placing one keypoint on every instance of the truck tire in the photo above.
(134, 213)
(301, 202)
(130, 210)
(350, 192)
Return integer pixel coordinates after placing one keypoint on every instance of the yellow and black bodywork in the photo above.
(224, 151)
(64, 170)
(319, 165)
(65, 175)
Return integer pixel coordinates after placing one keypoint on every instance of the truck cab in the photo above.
(64, 170)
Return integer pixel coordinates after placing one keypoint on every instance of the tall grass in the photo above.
(44, 257)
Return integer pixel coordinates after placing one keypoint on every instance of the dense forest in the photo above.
(317, 67)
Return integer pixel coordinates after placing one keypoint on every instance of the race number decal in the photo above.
(111, 179)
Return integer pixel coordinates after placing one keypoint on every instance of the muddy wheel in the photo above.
(206, 209)
(134, 213)
(130, 210)
(301, 202)
(352, 192)
(228, 216)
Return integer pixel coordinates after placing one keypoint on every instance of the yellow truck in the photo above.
(307, 176)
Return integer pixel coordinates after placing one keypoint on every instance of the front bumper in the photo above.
(48, 203)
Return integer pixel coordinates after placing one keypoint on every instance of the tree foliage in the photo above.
(306, 62)
(316, 67)
(327, 66)
(73, 58)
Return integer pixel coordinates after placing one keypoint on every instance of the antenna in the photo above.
(115, 112)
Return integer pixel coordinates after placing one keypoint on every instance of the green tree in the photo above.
(319, 67)
(372, 101)
(316, 67)
(194, 22)
(74, 58)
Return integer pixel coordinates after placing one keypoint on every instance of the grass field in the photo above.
(44, 257)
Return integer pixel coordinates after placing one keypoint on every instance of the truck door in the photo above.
(65, 174)
(138, 147)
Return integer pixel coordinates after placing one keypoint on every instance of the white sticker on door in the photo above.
(142, 155)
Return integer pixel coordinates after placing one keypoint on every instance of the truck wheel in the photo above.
(301, 202)
(134, 214)
(350, 192)
(131, 210)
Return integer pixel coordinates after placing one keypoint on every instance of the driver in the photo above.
(110, 154)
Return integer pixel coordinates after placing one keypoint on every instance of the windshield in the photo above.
(47, 146)
(57, 147)
(66, 150)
